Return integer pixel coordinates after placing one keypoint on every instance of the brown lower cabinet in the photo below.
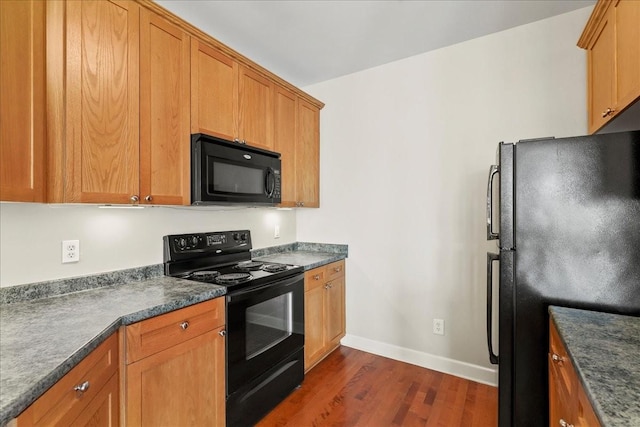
(174, 368)
(324, 311)
(568, 403)
(166, 370)
(86, 396)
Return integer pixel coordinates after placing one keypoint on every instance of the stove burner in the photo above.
(248, 265)
(233, 278)
(274, 268)
(204, 275)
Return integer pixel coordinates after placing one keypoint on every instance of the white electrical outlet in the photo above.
(438, 326)
(276, 232)
(70, 251)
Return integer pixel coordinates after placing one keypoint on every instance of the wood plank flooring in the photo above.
(353, 388)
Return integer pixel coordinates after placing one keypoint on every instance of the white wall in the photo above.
(114, 239)
(405, 152)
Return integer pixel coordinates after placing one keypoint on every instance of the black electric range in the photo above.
(264, 307)
(221, 258)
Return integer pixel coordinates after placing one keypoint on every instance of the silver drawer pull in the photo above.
(184, 325)
(81, 388)
(563, 423)
(338, 269)
(223, 333)
(316, 277)
(557, 358)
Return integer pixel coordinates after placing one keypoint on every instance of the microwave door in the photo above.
(230, 174)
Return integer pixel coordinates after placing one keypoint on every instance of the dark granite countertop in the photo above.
(307, 255)
(47, 328)
(605, 350)
(43, 339)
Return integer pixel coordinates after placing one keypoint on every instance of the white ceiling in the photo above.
(310, 41)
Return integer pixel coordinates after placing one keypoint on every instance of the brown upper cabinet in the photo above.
(229, 100)
(297, 139)
(22, 100)
(127, 106)
(165, 154)
(612, 40)
(113, 91)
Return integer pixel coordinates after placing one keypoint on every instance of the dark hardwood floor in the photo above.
(355, 388)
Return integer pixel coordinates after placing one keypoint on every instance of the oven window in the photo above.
(229, 178)
(268, 323)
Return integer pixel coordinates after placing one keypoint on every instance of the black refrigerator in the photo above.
(567, 221)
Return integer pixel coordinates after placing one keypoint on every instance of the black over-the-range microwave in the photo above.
(225, 172)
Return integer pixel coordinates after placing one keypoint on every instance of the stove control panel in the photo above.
(196, 244)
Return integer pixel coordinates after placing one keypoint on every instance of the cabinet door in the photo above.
(103, 410)
(102, 117)
(335, 322)
(308, 155)
(214, 88)
(182, 385)
(601, 74)
(255, 116)
(314, 312)
(627, 52)
(164, 112)
(63, 405)
(285, 142)
(22, 105)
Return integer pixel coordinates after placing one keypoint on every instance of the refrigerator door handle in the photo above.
(491, 257)
(493, 170)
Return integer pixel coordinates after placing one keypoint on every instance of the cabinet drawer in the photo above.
(335, 270)
(62, 404)
(159, 333)
(314, 278)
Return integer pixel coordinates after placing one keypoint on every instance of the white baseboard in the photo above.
(437, 363)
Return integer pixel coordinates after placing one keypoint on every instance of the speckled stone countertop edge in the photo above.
(15, 407)
(303, 246)
(606, 416)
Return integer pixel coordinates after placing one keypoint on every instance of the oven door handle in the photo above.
(284, 283)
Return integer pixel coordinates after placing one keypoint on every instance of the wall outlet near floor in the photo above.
(70, 251)
(276, 232)
(438, 326)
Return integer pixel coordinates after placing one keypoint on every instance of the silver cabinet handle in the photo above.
(236, 140)
(563, 423)
(222, 333)
(316, 277)
(184, 325)
(135, 198)
(493, 170)
(148, 198)
(81, 388)
(337, 269)
(327, 286)
(557, 358)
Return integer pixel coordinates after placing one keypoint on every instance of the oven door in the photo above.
(264, 326)
(228, 173)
